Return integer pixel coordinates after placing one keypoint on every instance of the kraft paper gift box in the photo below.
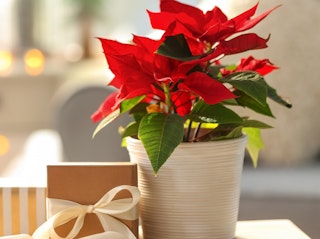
(22, 206)
(86, 183)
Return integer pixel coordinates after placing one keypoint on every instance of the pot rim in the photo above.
(240, 138)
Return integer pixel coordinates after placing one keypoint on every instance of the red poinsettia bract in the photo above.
(212, 27)
(139, 71)
(262, 67)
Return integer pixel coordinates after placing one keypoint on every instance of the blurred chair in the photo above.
(74, 106)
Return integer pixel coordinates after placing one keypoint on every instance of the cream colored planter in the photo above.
(196, 192)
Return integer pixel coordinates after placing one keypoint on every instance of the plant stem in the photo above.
(189, 131)
(196, 134)
(168, 96)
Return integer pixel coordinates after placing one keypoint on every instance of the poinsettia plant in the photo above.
(177, 88)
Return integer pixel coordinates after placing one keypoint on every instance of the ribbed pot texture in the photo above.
(195, 194)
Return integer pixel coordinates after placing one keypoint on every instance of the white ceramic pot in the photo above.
(195, 194)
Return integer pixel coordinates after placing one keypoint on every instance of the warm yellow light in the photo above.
(6, 63)
(34, 62)
(4, 145)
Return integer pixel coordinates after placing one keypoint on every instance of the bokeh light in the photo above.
(4, 145)
(6, 63)
(34, 62)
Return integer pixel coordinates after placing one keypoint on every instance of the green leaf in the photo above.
(217, 113)
(247, 101)
(272, 94)
(125, 106)
(139, 110)
(234, 133)
(128, 104)
(250, 83)
(230, 102)
(160, 134)
(103, 123)
(214, 71)
(255, 124)
(131, 129)
(254, 144)
(176, 47)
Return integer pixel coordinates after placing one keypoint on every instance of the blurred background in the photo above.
(53, 76)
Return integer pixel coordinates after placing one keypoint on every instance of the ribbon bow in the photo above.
(106, 210)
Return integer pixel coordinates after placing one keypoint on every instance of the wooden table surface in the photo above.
(268, 229)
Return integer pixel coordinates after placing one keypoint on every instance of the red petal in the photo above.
(116, 48)
(218, 32)
(105, 108)
(219, 28)
(266, 69)
(246, 22)
(161, 20)
(262, 67)
(182, 101)
(148, 44)
(216, 26)
(214, 16)
(236, 45)
(196, 47)
(178, 7)
(210, 90)
(243, 17)
(241, 43)
(193, 18)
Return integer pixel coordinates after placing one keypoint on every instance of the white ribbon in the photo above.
(106, 209)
